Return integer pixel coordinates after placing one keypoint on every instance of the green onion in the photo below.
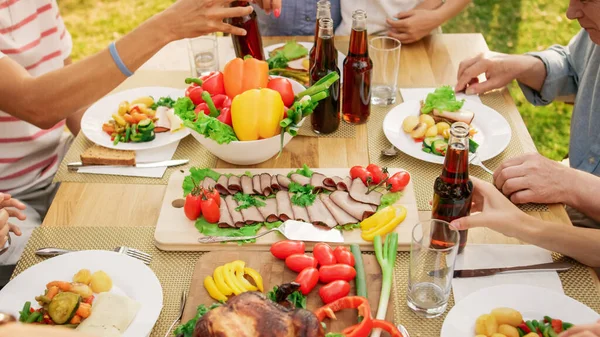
(386, 256)
(323, 84)
(361, 278)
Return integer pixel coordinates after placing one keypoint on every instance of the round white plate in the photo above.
(130, 278)
(493, 132)
(532, 302)
(101, 112)
(298, 63)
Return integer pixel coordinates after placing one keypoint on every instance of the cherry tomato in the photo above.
(344, 256)
(299, 262)
(308, 279)
(212, 194)
(214, 83)
(362, 173)
(195, 94)
(225, 116)
(398, 181)
(285, 248)
(378, 173)
(334, 291)
(336, 272)
(210, 210)
(324, 254)
(284, 88)
(191, 207)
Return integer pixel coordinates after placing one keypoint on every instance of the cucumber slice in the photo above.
(440, 147)
(428, 142)
(473, 145)
(426, 149)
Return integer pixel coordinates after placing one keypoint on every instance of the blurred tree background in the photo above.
(509, 26)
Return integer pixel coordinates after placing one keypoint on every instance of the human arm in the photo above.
(496, 212)
(589, 330)
(74, 120)
(54, 96)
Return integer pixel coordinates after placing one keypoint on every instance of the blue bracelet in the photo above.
(115, 55)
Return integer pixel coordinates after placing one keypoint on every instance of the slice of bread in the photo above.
(98, 155)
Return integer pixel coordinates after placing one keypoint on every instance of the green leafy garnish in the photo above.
(163, 101)
(297, 299)
(246, 201)
(302, 195)
(195, 177)
(389, 199)
(443, 99)
(332, 334)
(305, 171)
(187, 329)
(248, 173)
(290, 51)
(184, 108)
(348, 227)
(212, 128)
(210, 229)
(271, 225)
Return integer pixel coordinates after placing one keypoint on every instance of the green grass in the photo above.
(509, 26)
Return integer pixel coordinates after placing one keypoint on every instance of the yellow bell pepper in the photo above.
(256, 114)
(254, 275)
(231, 280)
(386, 227)
(239, 266)
(220, 281)
(212, 289)
(381, 217)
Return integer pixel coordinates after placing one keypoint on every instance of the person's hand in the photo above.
(413, 25)
(6, 227)
(192, 18)
(30, 330)
(533, 178)
(13, 206)
(590, 330)
(496, 212)
(270, 5)
(499, 69)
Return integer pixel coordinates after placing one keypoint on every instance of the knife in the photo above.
(167, 163)
(552, 266)
(291, 229)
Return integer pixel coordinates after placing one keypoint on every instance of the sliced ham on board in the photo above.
(208, 183)
(246, 184)
(275, 184)
(251, 215)
(300, 212)
(358, 192)
(332, 182)
(341, 216)
(234, 184)
(284, 206)
(357, 209)
(316, 180)
(319, 215)
(269, 210)
(225, 220)
(284, 182)
(236, 216)
(344, 185)
(256, 184)
(222, 184)
(300, 179)
(265, 184)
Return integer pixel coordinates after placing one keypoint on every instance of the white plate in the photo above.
(130, 278)
(298, 63)
(493, 132)
(101, 112)
(532, 302)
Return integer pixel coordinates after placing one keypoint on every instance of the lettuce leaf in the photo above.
(187, 329)
(442, 98)
(212, 128)
(195, 177)
(211, 229)
(389, 199)
(305, 171)
(184, 108)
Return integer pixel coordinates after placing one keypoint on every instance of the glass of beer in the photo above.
(385, 54)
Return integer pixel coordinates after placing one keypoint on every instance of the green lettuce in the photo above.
(210, 229)
(212, 128)
(184, 108)
(305, 171)
(389, 199)
(442, 98)
(195, 177)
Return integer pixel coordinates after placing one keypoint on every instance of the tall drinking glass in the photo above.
(204, 54)
(385, 54)
(431, 269)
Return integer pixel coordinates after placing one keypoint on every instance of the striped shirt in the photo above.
(33, 34)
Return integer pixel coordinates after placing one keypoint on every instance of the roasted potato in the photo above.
(410, 123)
(123, 108)
(147, 100)
(508, 331)
(427, 120)
(507, 316)
(101, 282)
(486, 325)
(431, 132)
(531, 334)
(498, 335)
(419, 131)
(83, 276)
(441, 126)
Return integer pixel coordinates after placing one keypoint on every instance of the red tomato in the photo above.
(299, 262)
(344, 256)
(285, 248)
(195, 94)
(308, 279)
(225, 116)
(214, 83)
(378, 173)
(284, 88)
(334, 291)
(324, 254)
(192, 208)
(398, 181)
(362, 173)
(210, 210)
(212, 194)
(336, 272)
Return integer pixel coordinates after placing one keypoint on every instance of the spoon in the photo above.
(403, 330)
(390, 152)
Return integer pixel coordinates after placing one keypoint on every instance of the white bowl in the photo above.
(248, 152)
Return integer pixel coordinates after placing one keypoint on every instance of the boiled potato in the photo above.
(431, 132)
(427, 120)
(419, 131)
(508, 331)
(83, 276)
(507, 316)
(441, 126)
(486, 325)
(498, 335)
(481, 336)
(101, 282)
(147, 100)
(446, 134)
(82, 290)
(410, 123)
(123, 108)
(531, 334)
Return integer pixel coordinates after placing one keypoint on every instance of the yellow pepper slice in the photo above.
(381, 217)
(256, 277)
(383, 229)
(212, 289)
(231, 280)
(256, 114)
(238, 267)
(220, 281)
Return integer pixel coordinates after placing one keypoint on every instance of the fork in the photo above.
(475, 160)
(131, 252)
(184, 296)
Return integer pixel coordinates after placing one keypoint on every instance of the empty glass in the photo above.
(204, 54)
(431, 268)
(385, 54)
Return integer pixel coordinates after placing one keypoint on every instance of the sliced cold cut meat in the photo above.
(300, 212)
(283, 181)
(222, 184)
(332, 182)
(236, 216)
(225, 220)
(208, 183)
(246, 185)
(274, 183)
(265, 184)
(300, 179)
(269, 210)
(256, 184)
(252, 215)
(358, 191)
(319, 214)
(284, 206)
(234, 184)
(341, 216)
(344, 184)
(357, 209)
(316, 180)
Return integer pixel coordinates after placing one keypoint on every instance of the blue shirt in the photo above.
(574, 70)
(298, 17)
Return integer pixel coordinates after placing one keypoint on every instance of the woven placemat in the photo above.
(424, 173)
(345, 130)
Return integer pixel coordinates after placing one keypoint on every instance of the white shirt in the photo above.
(377, 12)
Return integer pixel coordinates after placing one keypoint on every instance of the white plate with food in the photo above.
(150, 128)
(119, 295)
(425, 135)
(512, 304)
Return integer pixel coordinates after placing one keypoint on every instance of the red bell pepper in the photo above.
(225, 116)
(557, 325)
(386, 326)
(214, 83)
(363, 328)
(524, 327)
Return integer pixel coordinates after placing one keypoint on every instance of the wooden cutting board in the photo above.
(174, 231)
(274, 273)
